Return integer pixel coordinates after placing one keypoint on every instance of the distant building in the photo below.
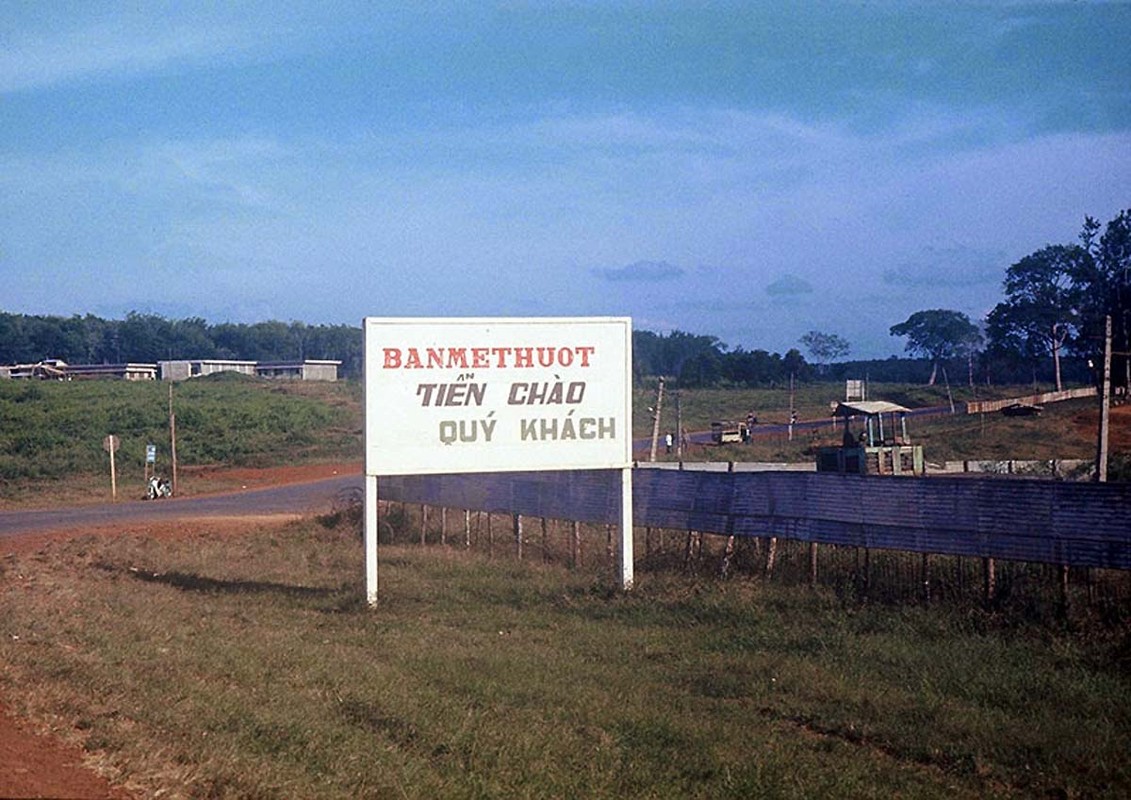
(128, 372)
(308, 370)
(59, 370)
(195, 368)
(48, 369)
(305, 370)
(176, 370)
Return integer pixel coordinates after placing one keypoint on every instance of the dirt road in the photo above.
(292, 498)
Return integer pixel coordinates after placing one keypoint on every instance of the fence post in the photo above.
(443, 525)
(423, 522)
(728, 554)
(517, 521)
(812, 563)
(989, 581)
(771, 556)
(693, 538)
(925, 574)
(575, 544)
(1063, 590)
(467, 528)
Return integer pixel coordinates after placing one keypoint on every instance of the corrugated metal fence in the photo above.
(1051, 522)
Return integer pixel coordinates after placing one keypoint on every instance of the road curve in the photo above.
(295, 498)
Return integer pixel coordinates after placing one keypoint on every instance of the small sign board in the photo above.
(150, 453)
(111, 443)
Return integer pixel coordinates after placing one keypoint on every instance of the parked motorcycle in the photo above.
(157, 488)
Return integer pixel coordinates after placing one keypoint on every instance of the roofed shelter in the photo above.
(882, 447)
(875, 432)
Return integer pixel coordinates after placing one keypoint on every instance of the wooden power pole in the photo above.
(1105, 406)
(656, 418)
(173, 436)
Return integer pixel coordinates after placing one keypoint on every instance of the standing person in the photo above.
(668, 442)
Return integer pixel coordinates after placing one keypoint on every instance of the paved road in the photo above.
(298, 498)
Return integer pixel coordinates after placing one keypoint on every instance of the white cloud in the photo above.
(60, 50)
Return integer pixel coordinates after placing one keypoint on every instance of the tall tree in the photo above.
(1105, 285)
(1043, 300)
(825, 347)
(939, 334)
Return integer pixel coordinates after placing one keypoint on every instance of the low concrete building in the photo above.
(179, 370)
(131, 371)
(59, 370)
(305, 370)
(48, 369)
(176, 370)
(308, 370)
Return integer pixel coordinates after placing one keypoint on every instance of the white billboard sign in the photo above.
(497, 395)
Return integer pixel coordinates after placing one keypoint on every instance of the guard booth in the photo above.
(875, 442)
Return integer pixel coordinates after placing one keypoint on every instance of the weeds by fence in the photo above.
(1009, 589)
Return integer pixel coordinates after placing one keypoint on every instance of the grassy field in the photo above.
(241, 662)
(217, 666)
(54, 431)
(699, 407)
(1065, 430)
(51, 431)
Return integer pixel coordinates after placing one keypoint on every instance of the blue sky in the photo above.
(750, 171)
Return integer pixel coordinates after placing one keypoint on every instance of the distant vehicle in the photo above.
(726, 432)
(1022, 410)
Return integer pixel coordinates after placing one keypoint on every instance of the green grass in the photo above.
(1053, 435)
(700, 407)
(51, 430)
(249, 666)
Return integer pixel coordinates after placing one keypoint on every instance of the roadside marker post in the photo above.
(110, 444)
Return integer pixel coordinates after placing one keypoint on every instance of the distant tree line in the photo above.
(688, 360)
(696, 361)
(1049, 328)
(148, 338)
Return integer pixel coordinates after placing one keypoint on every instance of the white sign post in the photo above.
(496, 395)
(111, 444)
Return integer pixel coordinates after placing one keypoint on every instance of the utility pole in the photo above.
(792, 412)
(173, 435)
(656, 418)
(1105, 406)
(678, 429)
